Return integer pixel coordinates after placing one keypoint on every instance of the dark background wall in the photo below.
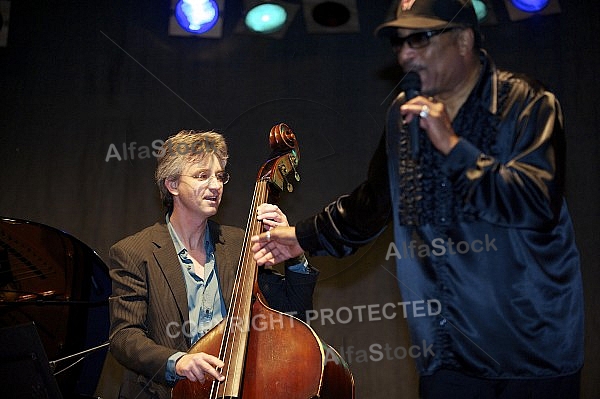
(78, 77)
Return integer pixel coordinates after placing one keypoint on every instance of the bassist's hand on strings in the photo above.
(278, 233)
(271, 216)
(195, 366)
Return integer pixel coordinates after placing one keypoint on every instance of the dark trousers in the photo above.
(448, 384)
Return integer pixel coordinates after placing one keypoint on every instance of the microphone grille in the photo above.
(410, 81)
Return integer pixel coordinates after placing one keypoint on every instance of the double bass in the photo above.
(267, 353)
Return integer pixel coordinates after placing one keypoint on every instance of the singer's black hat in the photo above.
(430, 14)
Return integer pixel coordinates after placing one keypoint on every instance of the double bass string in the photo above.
(237, 322)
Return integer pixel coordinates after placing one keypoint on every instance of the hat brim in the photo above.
(414, 22)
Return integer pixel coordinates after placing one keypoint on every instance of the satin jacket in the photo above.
(149, 310)
(485, 231)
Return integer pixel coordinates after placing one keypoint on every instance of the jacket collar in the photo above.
(487, 86)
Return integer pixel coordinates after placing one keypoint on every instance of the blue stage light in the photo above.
(197, 16)
(266, 18)
(530, 5)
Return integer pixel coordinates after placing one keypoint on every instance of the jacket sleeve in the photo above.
(353, 219)
(523, 185)
(291, 293)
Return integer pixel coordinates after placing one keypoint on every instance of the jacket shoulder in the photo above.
(151, 237)
(521, 84)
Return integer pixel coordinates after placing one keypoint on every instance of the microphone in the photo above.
(411, 86)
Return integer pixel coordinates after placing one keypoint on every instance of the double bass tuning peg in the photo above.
(284, 174)
(294, 162)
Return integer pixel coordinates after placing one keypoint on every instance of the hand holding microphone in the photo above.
(425, 114)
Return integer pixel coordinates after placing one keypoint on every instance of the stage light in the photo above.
(480, 9)
(269, 19)
(530, 5)
(485, 12)
(266, 18)
(522, 9)
(196, 16)
(200, 18)
(339, 16)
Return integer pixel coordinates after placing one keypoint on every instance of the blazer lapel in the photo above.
(167, 260)
(226, 262)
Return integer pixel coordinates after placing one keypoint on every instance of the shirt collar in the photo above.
(180, 249)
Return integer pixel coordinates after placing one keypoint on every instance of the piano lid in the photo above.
(51, 278)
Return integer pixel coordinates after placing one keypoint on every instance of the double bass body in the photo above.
(285, 359)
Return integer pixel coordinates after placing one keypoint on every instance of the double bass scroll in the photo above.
(267, 353)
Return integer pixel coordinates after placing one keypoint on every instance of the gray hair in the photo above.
(182, 149)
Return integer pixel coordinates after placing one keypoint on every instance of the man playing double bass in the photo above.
(172, 282)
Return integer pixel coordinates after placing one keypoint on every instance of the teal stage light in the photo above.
(480, 9)
(266, 18)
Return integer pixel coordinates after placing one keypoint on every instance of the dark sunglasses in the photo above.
(418, 39)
